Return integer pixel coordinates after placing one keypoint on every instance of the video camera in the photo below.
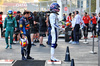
(43, 13)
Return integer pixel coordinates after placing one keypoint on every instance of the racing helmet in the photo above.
(54, 7)
(23, 42)
(10, 13)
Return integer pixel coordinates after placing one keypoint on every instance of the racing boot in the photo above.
(23, 58)
(7, 46)
(54, 60)
(10, 46)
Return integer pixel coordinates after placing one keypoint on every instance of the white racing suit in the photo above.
(54, 32)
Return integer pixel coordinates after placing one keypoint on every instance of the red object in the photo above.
(9, 60)
(27, 28)
(68, 19)
(65, 8)
(6, 61)
(0, 19)
(86, 19)
(17, 39)
(70, 37)
(30, 17)
(94, 20)
(15, 12)
(85, 37)
(92, 36)
(13, 39)
(63, 26)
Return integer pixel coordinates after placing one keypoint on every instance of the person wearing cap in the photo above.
(9, 24)
(24, 27)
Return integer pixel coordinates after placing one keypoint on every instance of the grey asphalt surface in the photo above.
(80, 53)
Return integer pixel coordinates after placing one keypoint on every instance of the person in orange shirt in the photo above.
(1, 24)
(69, 18)
(94, 22)
(86, 20)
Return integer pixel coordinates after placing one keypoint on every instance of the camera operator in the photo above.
(36, 27)
(42, 27)
(31, 20)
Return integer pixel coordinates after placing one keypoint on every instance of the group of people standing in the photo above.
(18, 26)
(86, 22)
(33, 26)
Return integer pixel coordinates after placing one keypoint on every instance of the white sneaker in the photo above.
(17, 41)
(70, 41)
(73, 42)
(14, 42)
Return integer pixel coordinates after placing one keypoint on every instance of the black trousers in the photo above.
(85, 30)
(76, 32)
(72, 34)
(1, 29)
(29, 42)
(94, 29)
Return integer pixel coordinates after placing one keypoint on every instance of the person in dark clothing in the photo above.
(16, 35)
(42, 28)
(49, 31)
(64, 18)
(24, 27)
(31, 20)
(99, 24)
(36, 27)
(76, 26)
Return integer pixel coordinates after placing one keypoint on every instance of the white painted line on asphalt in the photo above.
(6, 61)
